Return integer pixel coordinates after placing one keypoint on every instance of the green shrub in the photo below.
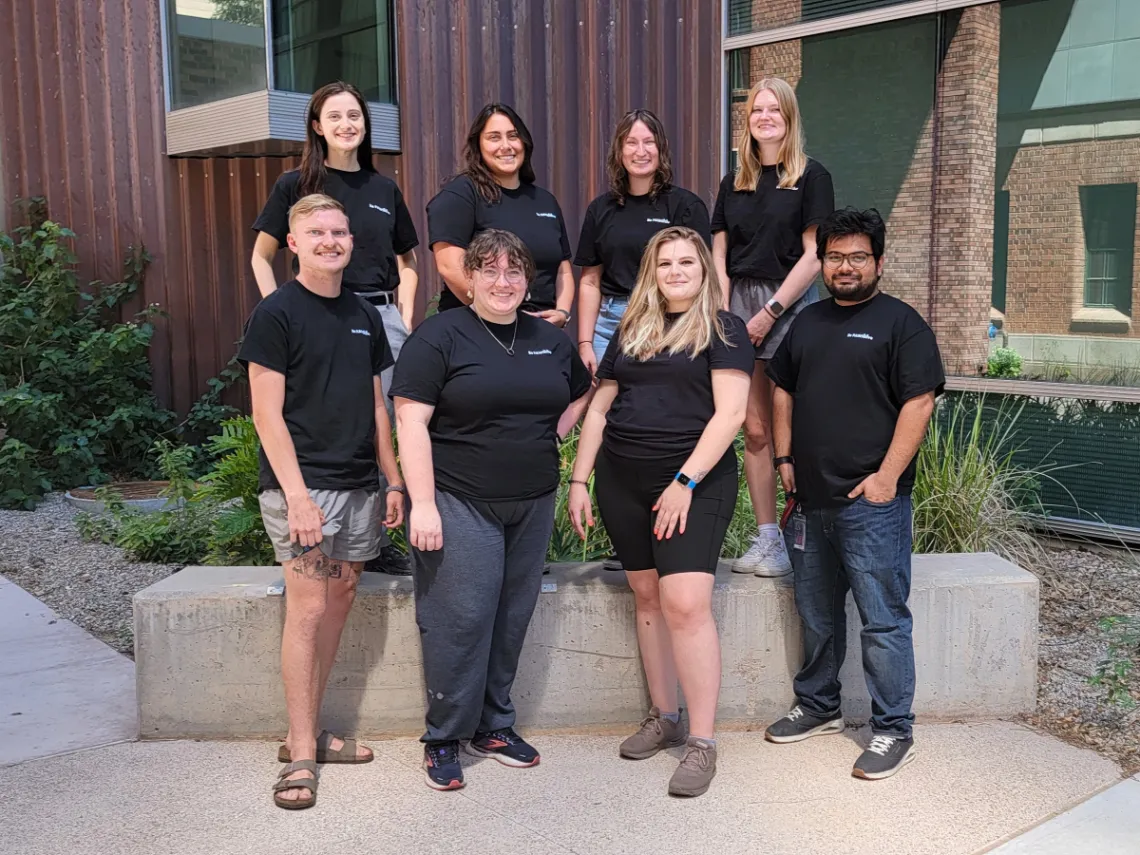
(1005, 363)
(231, 489)
(1115, 671)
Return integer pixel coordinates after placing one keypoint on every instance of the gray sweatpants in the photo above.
(474, 601)
(397, 334)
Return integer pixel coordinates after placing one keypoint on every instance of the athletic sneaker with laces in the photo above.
(504, 745)
(697, 769)
(656, 734)
(767, 556)
(799, 725)
(441, 765)
(883, 757)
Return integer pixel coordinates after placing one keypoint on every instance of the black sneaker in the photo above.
(441, 765)
(883, 757)
(504, 745)
(799, 725)
(611, 562)
(391, 561)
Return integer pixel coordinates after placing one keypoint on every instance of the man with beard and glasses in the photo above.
(856, 379)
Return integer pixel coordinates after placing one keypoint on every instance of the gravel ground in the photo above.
(88, 583)
(92, 585)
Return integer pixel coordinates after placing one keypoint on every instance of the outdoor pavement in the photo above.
(972, 787)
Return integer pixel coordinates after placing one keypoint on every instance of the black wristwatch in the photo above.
(774, 307)
(780, 461)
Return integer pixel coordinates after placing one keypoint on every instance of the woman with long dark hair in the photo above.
(337, 161)
(672, 394)
(496, 189)
(763, 226)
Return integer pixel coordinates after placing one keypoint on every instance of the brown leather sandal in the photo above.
(345, 754)
(309, 784)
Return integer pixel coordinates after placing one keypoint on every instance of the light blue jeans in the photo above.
(609, 316)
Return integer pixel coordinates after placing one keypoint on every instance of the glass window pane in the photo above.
(217, 50)
(316, 42)
(752, 16)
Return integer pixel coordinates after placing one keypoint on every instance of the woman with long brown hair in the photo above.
(337, 161)
(672, 394)
(763, 227)
(496, 189)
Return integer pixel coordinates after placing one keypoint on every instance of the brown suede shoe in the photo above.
(697, 769)
(656, 734)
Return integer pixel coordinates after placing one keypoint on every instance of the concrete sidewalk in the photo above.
(61, 689)
(971, 787)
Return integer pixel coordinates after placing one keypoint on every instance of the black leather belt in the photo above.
(379, 298)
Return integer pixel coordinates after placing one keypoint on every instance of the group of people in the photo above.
(690, 328)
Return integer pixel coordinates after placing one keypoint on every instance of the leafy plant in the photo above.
(1004, 362)
(565, 544)
(1114, 672)
(231, 488)
(22, 481)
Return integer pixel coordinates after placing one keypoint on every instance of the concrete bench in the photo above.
(207, 647)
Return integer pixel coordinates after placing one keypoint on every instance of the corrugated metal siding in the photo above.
(82, 122)
(571, 69)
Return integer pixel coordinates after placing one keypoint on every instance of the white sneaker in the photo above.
(766, 557)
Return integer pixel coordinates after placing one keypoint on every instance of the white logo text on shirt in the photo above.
(860, 335)
(361, 332)
(381, 210)
(547, 214)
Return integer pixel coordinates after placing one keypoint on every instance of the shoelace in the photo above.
(795, 714)
(442, 754)
(881, 745)
(651, 724)
(508, 736)
(696, 758)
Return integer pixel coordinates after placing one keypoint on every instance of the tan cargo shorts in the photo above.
(353, 529)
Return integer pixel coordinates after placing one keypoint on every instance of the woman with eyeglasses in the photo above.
(496, 189)
(483, 395)
(763, 225)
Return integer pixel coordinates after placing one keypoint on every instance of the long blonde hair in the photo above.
(791, 160)
(643, 330)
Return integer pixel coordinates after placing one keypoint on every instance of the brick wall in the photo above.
(1046, 256)
(962, 242)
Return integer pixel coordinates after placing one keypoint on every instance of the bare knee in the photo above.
(756, 434)
(646, 591)
(685, 614)
(303, 615)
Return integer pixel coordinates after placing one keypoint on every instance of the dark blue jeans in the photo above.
(865, 548)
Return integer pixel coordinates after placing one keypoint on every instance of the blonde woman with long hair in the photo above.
(672, 394)
(763, 227)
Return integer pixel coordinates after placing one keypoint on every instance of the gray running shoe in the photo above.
(656, 734)
(697, 769)
(799, 725)
(767, 556)
(883, 757)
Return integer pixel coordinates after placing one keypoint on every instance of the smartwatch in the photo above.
(685, 480)
(774, 307)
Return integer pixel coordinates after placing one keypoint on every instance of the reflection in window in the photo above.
(1109, 215)
(317, 42)
(217, 50)
(751, 16)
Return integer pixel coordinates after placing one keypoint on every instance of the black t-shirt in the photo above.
(458, 213)
(664, 403)
(379, 220)
(494, 429)
(615, 236)
(329, 349)
(849, 370)
(766, 227)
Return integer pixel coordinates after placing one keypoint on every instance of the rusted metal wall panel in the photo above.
(82, 123)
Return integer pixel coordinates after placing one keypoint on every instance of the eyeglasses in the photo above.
(857, 260)
(490, 275)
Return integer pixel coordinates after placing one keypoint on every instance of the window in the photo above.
(1108, 212)
(316, 42)
(754, 16)
(217, 50)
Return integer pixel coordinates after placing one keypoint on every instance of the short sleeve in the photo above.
(580, 379)
(274, 217)
(609, 359)
(266, 340)
(382, 358)
(696, 217)
(782, 368)
(917, 366)
(719, 224)
(404, 237)
(737, 352)
(451, 214)
(421, 371)
(587, 255)
(819, 194)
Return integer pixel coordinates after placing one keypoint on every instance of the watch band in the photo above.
(685, 481)
(780, 461)
(774, 307)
